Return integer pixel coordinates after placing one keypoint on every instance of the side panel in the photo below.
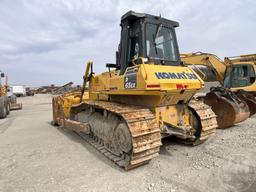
(147, 85)
(177, 116)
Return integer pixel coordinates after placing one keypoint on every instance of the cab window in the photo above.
(239, 76)
(160, 43)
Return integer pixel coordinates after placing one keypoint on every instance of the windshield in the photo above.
(239, 76)
(205, 72)
(160, 43)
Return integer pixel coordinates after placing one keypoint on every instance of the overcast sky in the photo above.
(46, 42)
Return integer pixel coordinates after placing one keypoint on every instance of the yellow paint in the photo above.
(4, 88)
(163, 99)
(220, 66)
(70, 99)
(113, 83)
(244, 59)
(175, 115)
(166, 95)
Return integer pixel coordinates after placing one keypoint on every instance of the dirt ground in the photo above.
(35, 156)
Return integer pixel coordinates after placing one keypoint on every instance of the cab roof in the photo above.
(132, 16)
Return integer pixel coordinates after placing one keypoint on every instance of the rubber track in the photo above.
(207, 119)
(146, 137)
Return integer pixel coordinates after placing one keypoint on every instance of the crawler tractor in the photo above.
(145, 96)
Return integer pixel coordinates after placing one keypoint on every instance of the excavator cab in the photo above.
(147, 37)
(241, 75)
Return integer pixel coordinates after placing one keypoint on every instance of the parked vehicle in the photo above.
(19, 90)
(29, 92)
(13, 100)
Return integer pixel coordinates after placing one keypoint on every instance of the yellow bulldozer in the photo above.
(145, 96)
(234, 98)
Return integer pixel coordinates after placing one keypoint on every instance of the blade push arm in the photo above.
(86, 78)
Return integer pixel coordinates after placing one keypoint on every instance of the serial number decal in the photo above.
(169, 75)
(130, 82)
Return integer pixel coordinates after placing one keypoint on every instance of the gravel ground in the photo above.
(34, 156)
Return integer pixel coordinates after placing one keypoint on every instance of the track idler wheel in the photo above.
(228, 108)
(123, 137)
(203, 121)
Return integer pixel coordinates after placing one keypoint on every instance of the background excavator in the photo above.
(146, 95)
(240, 77)
(234, 98)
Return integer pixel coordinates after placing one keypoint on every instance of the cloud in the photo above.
(45, 42)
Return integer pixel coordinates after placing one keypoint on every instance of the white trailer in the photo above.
(19, 90)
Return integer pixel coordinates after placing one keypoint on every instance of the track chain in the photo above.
(207, 119)
(146, 137)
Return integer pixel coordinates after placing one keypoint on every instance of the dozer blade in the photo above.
(229, 108)
(57, 110)
(249, 99)
(61, 105)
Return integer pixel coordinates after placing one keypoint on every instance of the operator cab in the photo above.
(239, 75)
(146, 36)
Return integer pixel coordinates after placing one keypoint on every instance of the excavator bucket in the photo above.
(228, 107)
(249, 99)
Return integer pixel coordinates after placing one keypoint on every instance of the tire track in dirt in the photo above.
(5, 125)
